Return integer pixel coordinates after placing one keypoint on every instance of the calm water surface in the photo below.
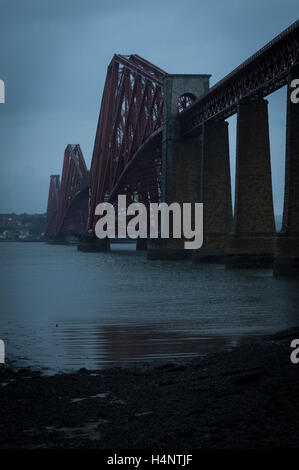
(62, 309)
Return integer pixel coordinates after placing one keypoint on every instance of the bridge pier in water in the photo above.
(58, 240)
(216, 192)
(252, 240)
(92, 244)
(287, 245)
(141, 244)
(181, 158)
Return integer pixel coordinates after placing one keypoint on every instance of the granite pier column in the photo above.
(287, 245)
(252, 240)
(90, 243)
(181, 158)
(216, 193)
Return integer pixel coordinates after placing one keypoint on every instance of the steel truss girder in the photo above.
(131, 112)
(52, 206)
(263, 73)
(74, 178)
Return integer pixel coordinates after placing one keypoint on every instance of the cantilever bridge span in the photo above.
(164, 137)
(127, 155)
(68, 199)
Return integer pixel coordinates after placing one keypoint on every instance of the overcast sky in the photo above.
(53, 60)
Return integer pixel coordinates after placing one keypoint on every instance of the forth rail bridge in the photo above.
(163, 137)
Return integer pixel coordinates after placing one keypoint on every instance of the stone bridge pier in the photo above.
(215, 190)
(181, 158)
(194, 169)
(251, 242)
(287, 244)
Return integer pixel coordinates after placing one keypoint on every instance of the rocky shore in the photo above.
(244, 398)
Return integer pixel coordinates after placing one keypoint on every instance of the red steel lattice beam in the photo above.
(263, 73)
(74, 178)
(52, 207)
(131, 113)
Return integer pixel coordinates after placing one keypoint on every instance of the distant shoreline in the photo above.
(22, 241)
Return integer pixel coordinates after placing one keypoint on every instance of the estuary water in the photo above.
(63, 310)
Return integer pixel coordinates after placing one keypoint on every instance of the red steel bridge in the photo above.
(164, 137)
(67, 209)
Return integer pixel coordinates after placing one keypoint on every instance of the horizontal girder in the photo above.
(263, 73)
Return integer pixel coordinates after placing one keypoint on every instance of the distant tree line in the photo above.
(13, 225)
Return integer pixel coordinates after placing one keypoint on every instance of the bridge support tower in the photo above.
(252, 240)
(90, 243)
(141, 244)
(216, 192)
(58, 240)
(287, 244)
(181, 158)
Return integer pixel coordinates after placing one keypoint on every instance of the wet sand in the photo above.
(244, 398)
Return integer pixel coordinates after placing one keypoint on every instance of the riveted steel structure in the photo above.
(127, 150)
(164, 137)
(52, 207)
(68, 201)
(74, 179)
(263, 73)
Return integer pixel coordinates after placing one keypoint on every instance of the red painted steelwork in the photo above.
(131, 113)
(52, 207)
(263, 73)
(74, 179)
(75, 220)
(128, 144)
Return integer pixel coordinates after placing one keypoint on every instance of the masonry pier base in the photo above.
(215, 193)
(251, 243)
(167, 250)
(57, 241)
(287, 243)
(141, 244)
(90, 243)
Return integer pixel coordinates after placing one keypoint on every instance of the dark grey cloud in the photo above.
(53, 59)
